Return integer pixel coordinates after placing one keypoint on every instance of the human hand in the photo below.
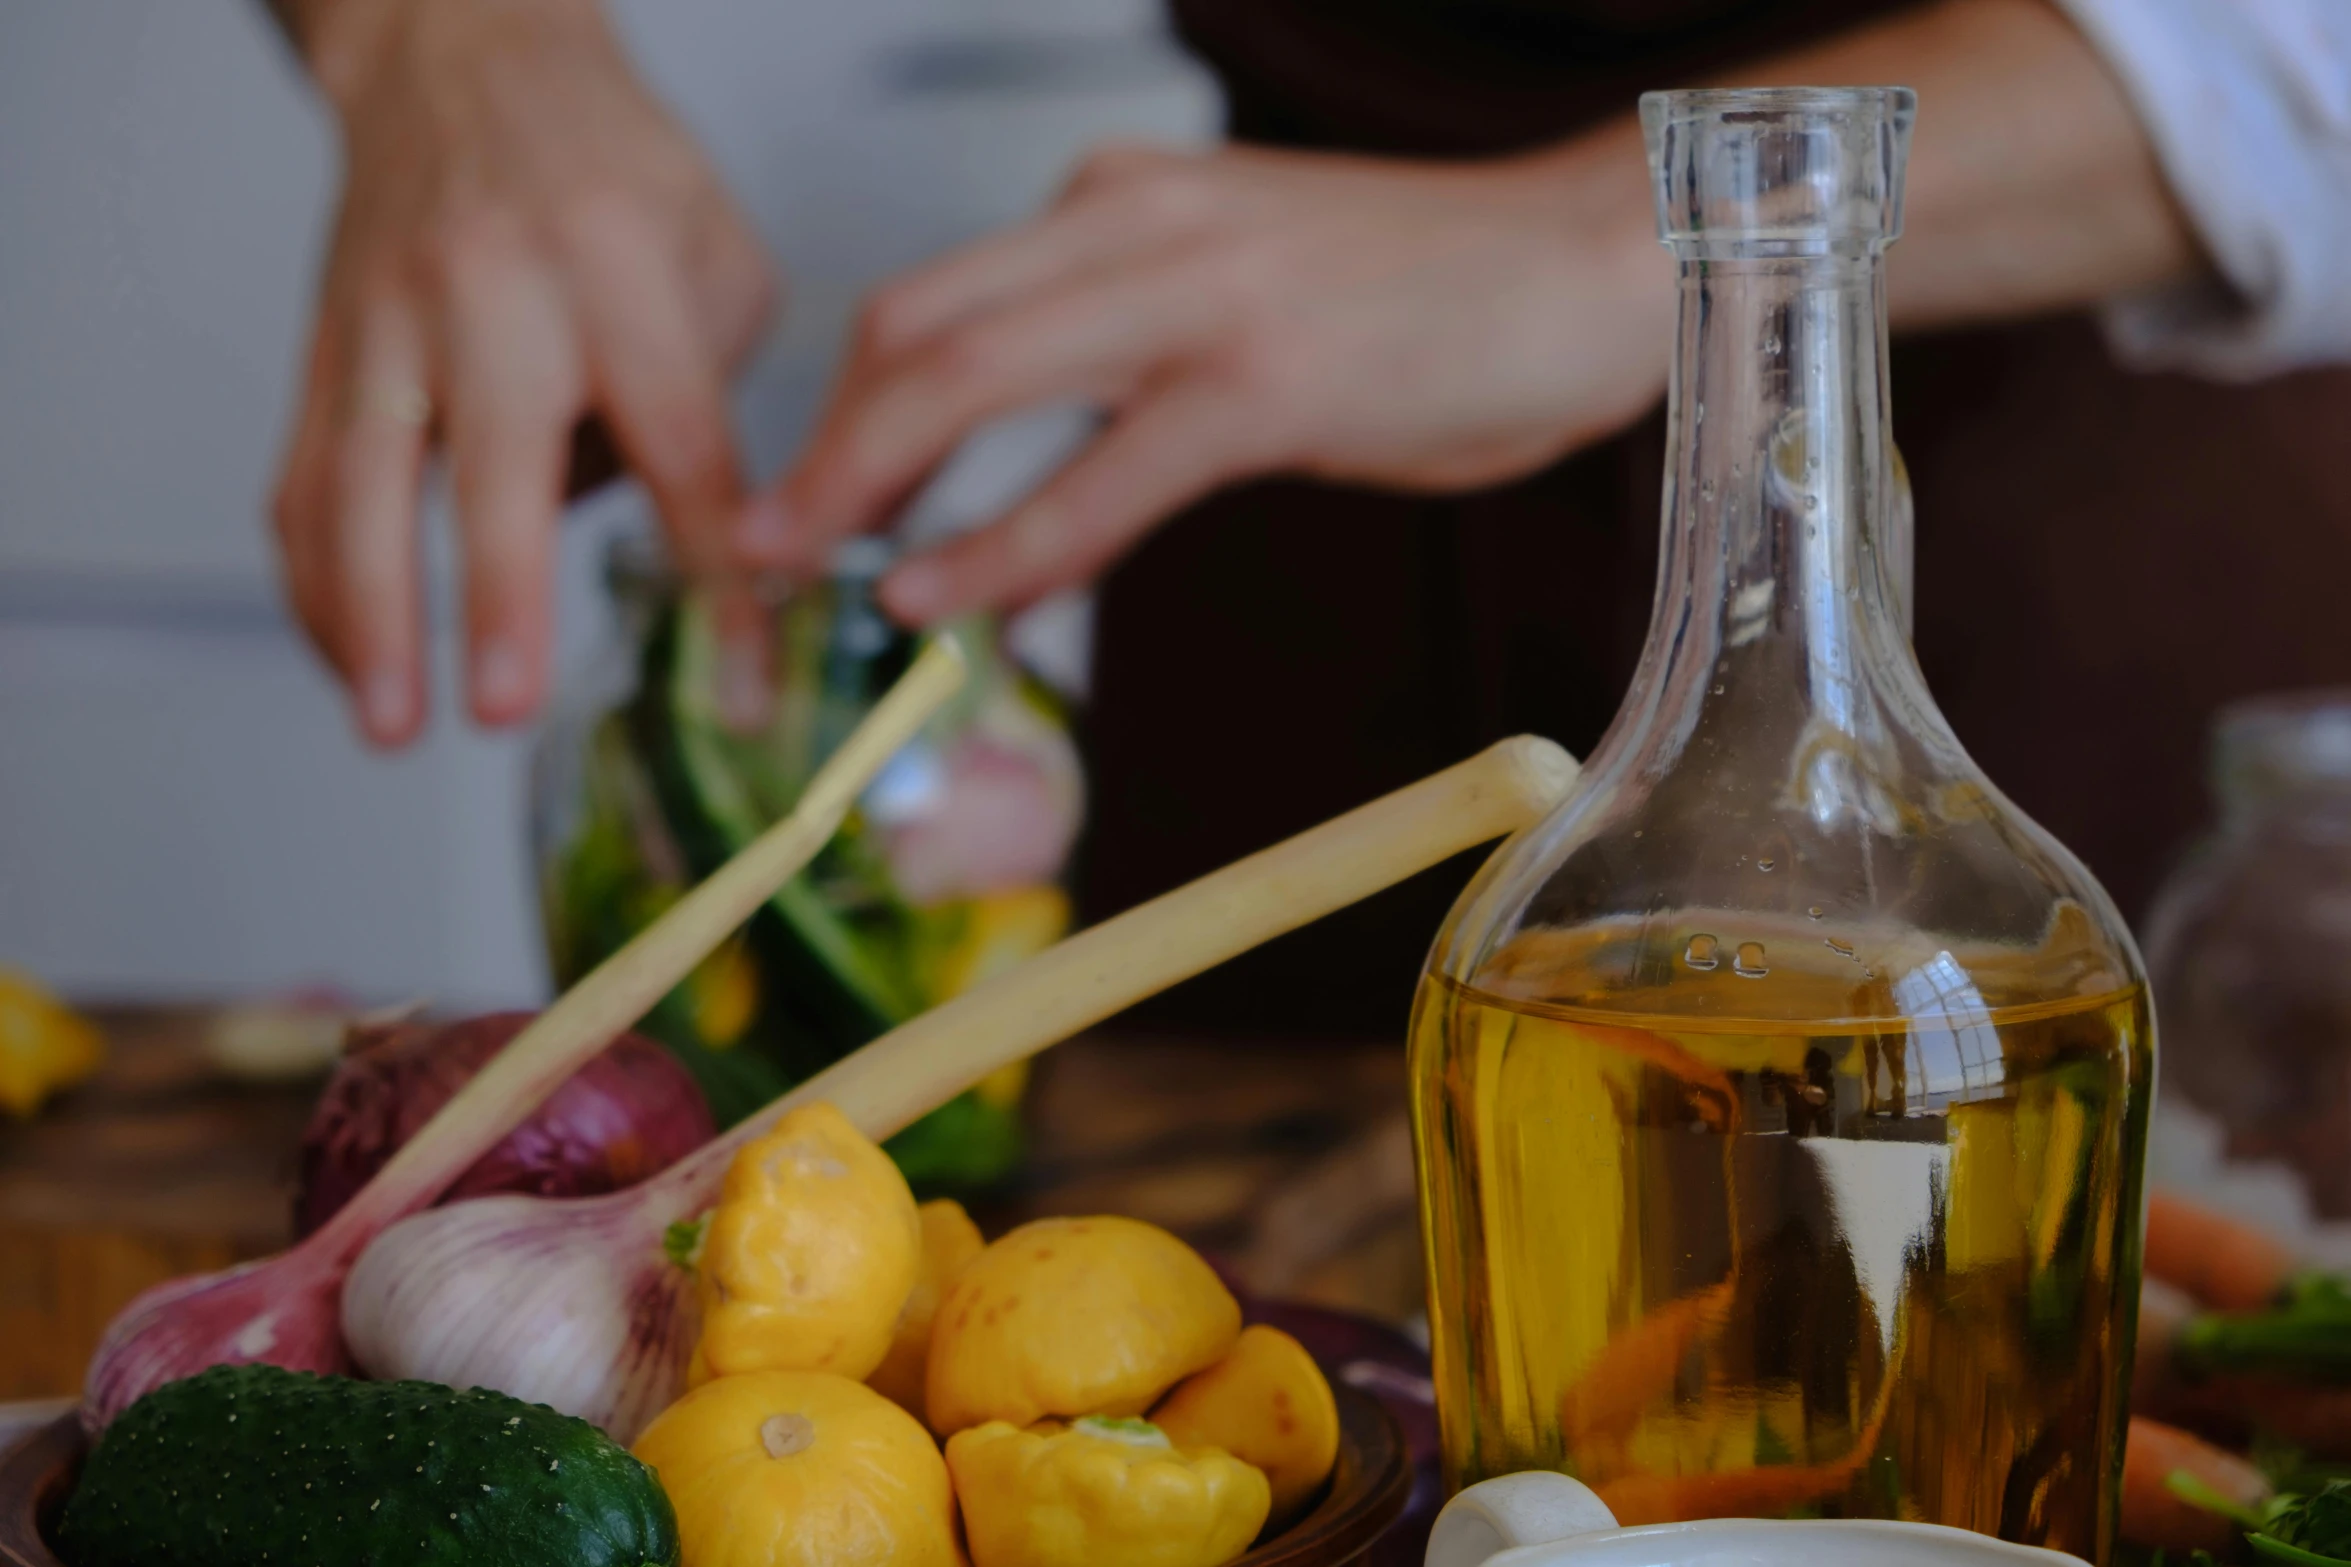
(525, 238)
(1237, 313)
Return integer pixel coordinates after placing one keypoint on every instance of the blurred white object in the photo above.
(278, 1041)
(1541, 1519)
(2248, 103)
(1534, 1507)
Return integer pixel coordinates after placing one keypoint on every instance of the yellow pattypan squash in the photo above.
(1267, 1404)
(801, 1469)
(44, 1045)
(1074, 1317)
(978, 938)
(810, 1254)
(1100, 1492)
(949, 1240)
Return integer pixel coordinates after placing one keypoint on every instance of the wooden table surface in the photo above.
(1290, 1162)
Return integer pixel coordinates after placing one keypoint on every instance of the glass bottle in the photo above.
(949, 870)
(2248, 943)
(1780, 1100)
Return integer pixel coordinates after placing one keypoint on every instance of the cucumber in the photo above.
(253, 1466)
(824, 999)
(831, 977)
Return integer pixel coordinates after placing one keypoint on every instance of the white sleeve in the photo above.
(2248, 104)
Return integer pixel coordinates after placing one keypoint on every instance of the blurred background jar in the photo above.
(950, 869)
(2249, 946)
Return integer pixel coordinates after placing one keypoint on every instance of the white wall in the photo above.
(182, 808)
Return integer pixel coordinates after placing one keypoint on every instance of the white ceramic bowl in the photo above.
(1541, 1519)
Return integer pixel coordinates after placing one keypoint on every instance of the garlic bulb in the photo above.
(280, 1310)
(573, 1304)
(283, 1310)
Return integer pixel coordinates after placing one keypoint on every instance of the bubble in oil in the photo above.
(1843, 949)
(1718, 689)
(1764, 865)
(1704, 952)
(1814, 912)
(1771, 344)
(1706, 489)
(1749, 963)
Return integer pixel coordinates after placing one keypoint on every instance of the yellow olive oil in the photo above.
(1844, 1266)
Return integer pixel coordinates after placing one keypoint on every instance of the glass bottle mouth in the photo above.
(639, 566)
(1767, 172)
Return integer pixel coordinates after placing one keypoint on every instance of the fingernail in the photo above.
(915, 591)
(383, 703)
(499, 677)
(765, 530)
(742, 687)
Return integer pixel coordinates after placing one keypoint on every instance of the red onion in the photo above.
(629, 1113)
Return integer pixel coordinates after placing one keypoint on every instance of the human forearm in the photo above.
(343, 42)
(2032, 186)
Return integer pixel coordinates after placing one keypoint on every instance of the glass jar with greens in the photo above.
(948, 871)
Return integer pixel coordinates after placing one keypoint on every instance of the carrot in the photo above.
(2224, 1264)
(2155, 1514)
(1728, 1493)
(1761, 1492)
(1640, 1364)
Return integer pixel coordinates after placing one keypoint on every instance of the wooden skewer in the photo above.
(624, 987)
(922, 1064)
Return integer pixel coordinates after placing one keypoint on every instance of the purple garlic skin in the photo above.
(572, 1304)
(280, 1311)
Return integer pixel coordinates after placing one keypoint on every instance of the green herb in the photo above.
(2196, 1493)
(681, 1243)
(2313, 1528)
(2308, 1333)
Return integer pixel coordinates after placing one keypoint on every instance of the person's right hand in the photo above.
(525, 239)
(1240, 312)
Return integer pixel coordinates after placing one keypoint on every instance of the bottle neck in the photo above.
(1777, 621)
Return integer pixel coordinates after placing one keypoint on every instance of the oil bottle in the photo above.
(1781, 1100)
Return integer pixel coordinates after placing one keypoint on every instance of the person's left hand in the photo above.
(1239, 313)
(525, 237)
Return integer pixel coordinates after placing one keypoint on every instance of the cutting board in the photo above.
(160, 1165)
(1291, 1162)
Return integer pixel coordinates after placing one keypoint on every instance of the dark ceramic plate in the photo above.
(1366, 1494)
